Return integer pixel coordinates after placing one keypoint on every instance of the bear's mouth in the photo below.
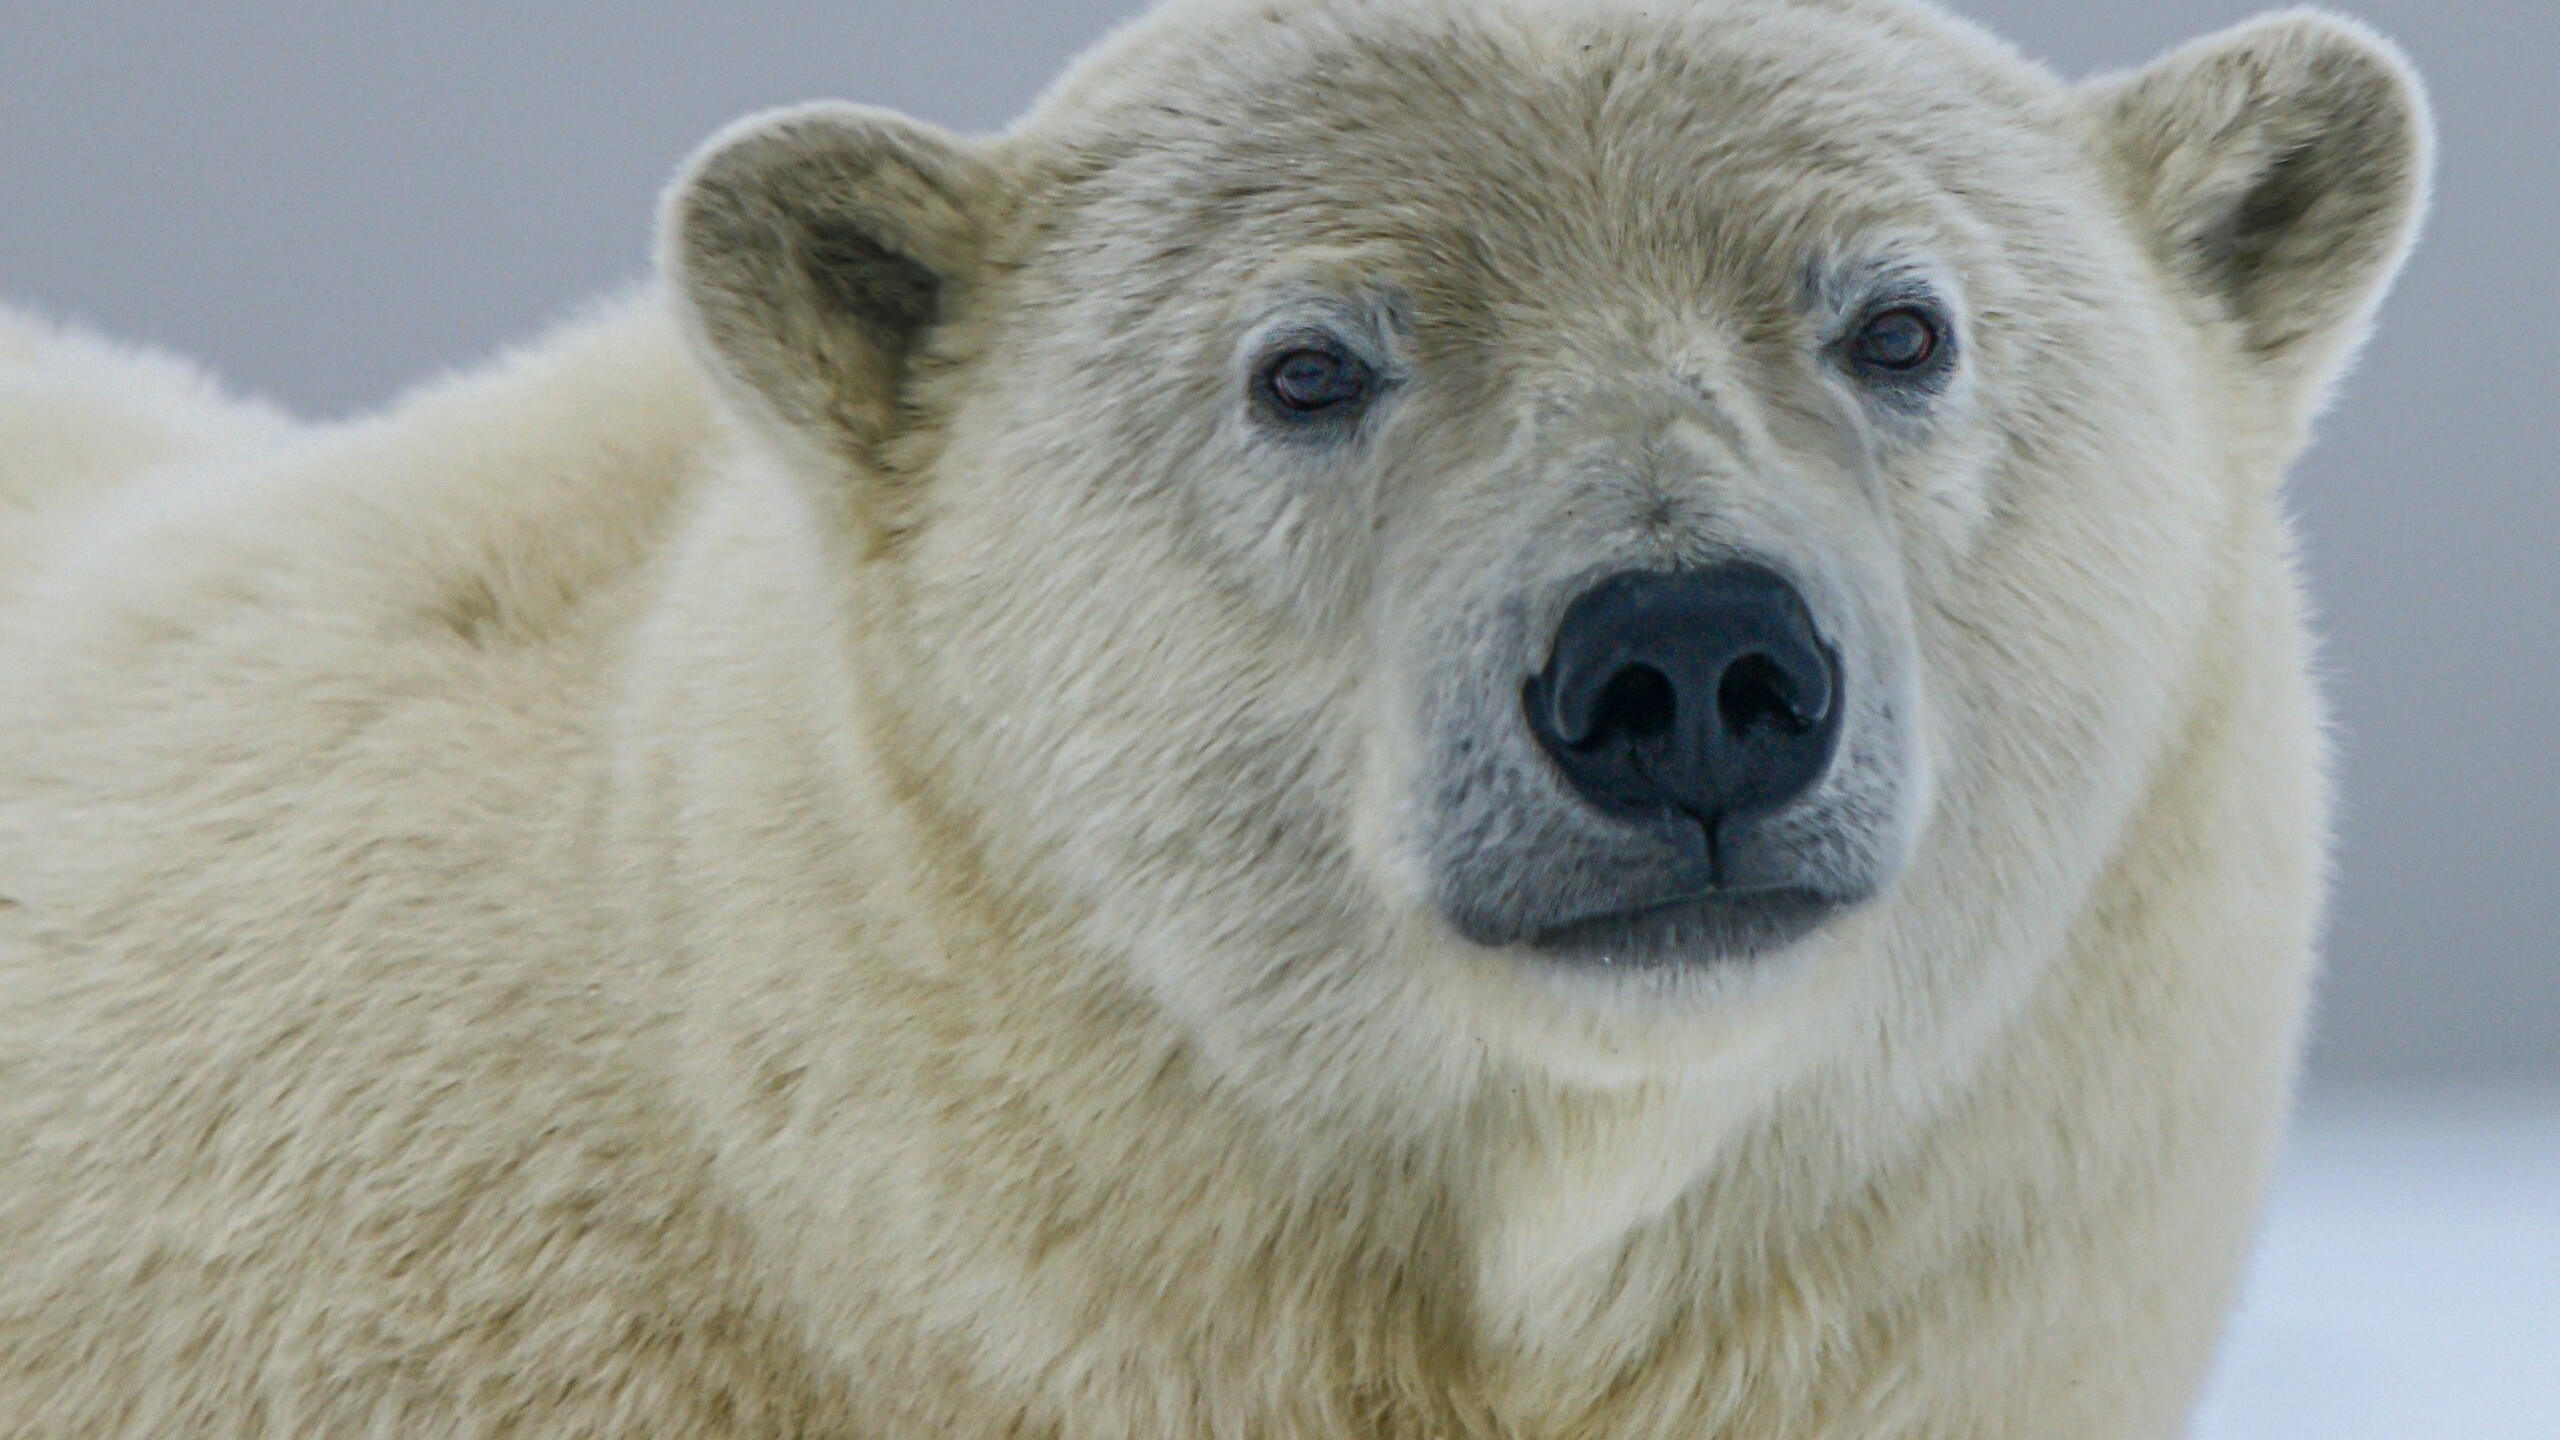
(1701, 927)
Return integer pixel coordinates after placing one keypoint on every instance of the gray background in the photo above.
(327, 201)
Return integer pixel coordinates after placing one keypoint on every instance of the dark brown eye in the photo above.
(1315, 380)
(1899, 340)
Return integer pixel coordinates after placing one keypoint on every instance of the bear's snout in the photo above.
(1701, 693)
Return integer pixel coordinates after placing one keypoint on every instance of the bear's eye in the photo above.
(1899, 341)
(1312, 380)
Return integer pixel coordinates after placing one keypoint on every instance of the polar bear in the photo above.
(1423, 718)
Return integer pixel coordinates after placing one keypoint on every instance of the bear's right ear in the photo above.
(810, 251)
(2281, 169)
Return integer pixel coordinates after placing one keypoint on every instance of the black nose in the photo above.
(1697, 691)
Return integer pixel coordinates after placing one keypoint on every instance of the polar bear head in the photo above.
(1612, 540)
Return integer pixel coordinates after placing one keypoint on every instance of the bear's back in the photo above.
(80, 416)
(313, 1038)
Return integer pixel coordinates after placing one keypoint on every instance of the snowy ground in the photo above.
(2407, 1285)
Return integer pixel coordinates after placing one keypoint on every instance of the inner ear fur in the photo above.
(2282, 167)
(812, 251)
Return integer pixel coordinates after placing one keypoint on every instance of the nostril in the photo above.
(1755, 692)
(1638, 703)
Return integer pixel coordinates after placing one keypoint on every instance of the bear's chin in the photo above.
(1708, 927)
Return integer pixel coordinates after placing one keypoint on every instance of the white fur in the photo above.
(721, 876)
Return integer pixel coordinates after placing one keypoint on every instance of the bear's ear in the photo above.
(2281, 168)
(810, 252)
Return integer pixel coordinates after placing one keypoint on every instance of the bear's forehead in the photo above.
(1203, 47)
(1544, 137)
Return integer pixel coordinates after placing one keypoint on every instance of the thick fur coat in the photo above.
(860, 845)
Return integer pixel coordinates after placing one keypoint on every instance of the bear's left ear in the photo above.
(812, 252)
(2281, 168)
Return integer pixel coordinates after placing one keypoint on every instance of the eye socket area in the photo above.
(1313, 377)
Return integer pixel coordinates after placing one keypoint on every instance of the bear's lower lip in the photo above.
(1702, 927)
